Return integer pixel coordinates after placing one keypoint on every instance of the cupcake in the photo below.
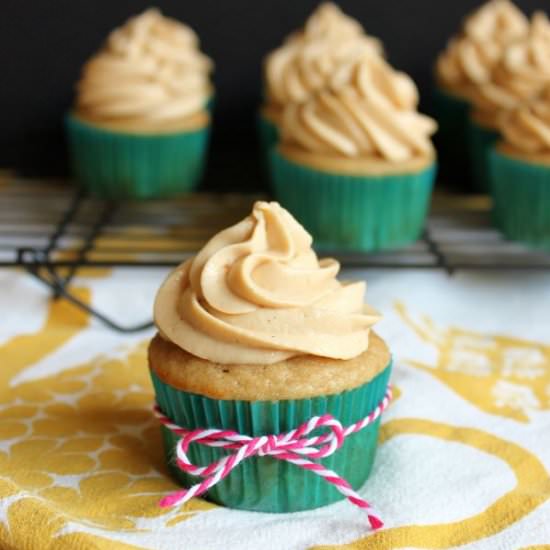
(520, 173)
(257, 335)
(522, 72)
(139, 126)
(465, 64)
(309, 61)
(356, 165)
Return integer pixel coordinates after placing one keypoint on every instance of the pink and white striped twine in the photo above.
(292, 446)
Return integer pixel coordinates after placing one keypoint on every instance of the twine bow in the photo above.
(293, 446)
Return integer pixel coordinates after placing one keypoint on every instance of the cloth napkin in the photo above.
(464, 453)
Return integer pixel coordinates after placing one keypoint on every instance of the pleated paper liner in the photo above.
(118, 165)
(370, 212)
(268, 136)
(451, 113)
(211, 104)
(480, 141)
(521, 198)
(265, 484)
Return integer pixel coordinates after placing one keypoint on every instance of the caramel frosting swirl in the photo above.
(526, 128)
(469, 58)
(329, 21)
(318, 57)
(149, 70)
(523, 71)
(257, 294)
(373, 116)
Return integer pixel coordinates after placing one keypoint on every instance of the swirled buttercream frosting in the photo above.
(522, 72)
(526, 128)
(372, 116)
(149, 70)
(319, 56)
(257, 294)
(470, 57)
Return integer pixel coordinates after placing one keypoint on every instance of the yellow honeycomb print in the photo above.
(501, 375)
(81, 462)
(80, 446)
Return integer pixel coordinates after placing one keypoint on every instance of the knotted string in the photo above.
(293, 446)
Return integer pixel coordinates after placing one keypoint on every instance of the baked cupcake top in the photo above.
(319, 55)
(470, 57)
(257, 294)
(522, 72)
(526, 129)
(150, 72)
(372, 117)
(299, 377)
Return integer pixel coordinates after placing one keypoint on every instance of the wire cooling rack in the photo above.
(52, 232)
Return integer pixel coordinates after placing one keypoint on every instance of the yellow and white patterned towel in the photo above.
(464, 456)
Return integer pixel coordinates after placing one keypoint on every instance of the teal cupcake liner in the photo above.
(521, 199)
(264, 484)
(118, 165)
(451, 139)
(268, 134)
(354, 212)
(210, 104)
(480, 142)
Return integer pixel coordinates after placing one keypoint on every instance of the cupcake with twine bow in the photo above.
(309, 61)
(355, 163)
(139, 126)
(520, 172)
(521, 74)
(465, 64)
(268, 378)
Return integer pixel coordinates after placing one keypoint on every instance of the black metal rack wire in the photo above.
(52, 232)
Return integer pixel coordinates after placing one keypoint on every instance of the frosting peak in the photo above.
(148, 70)
(498, 20)
(318, 56)
(522, 72)
(373, 115)
(329, 21)
(257, 293)
(469, 58)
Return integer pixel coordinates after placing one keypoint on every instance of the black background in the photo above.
(44, 43)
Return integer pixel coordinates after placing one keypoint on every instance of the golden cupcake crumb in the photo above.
(300, 377)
